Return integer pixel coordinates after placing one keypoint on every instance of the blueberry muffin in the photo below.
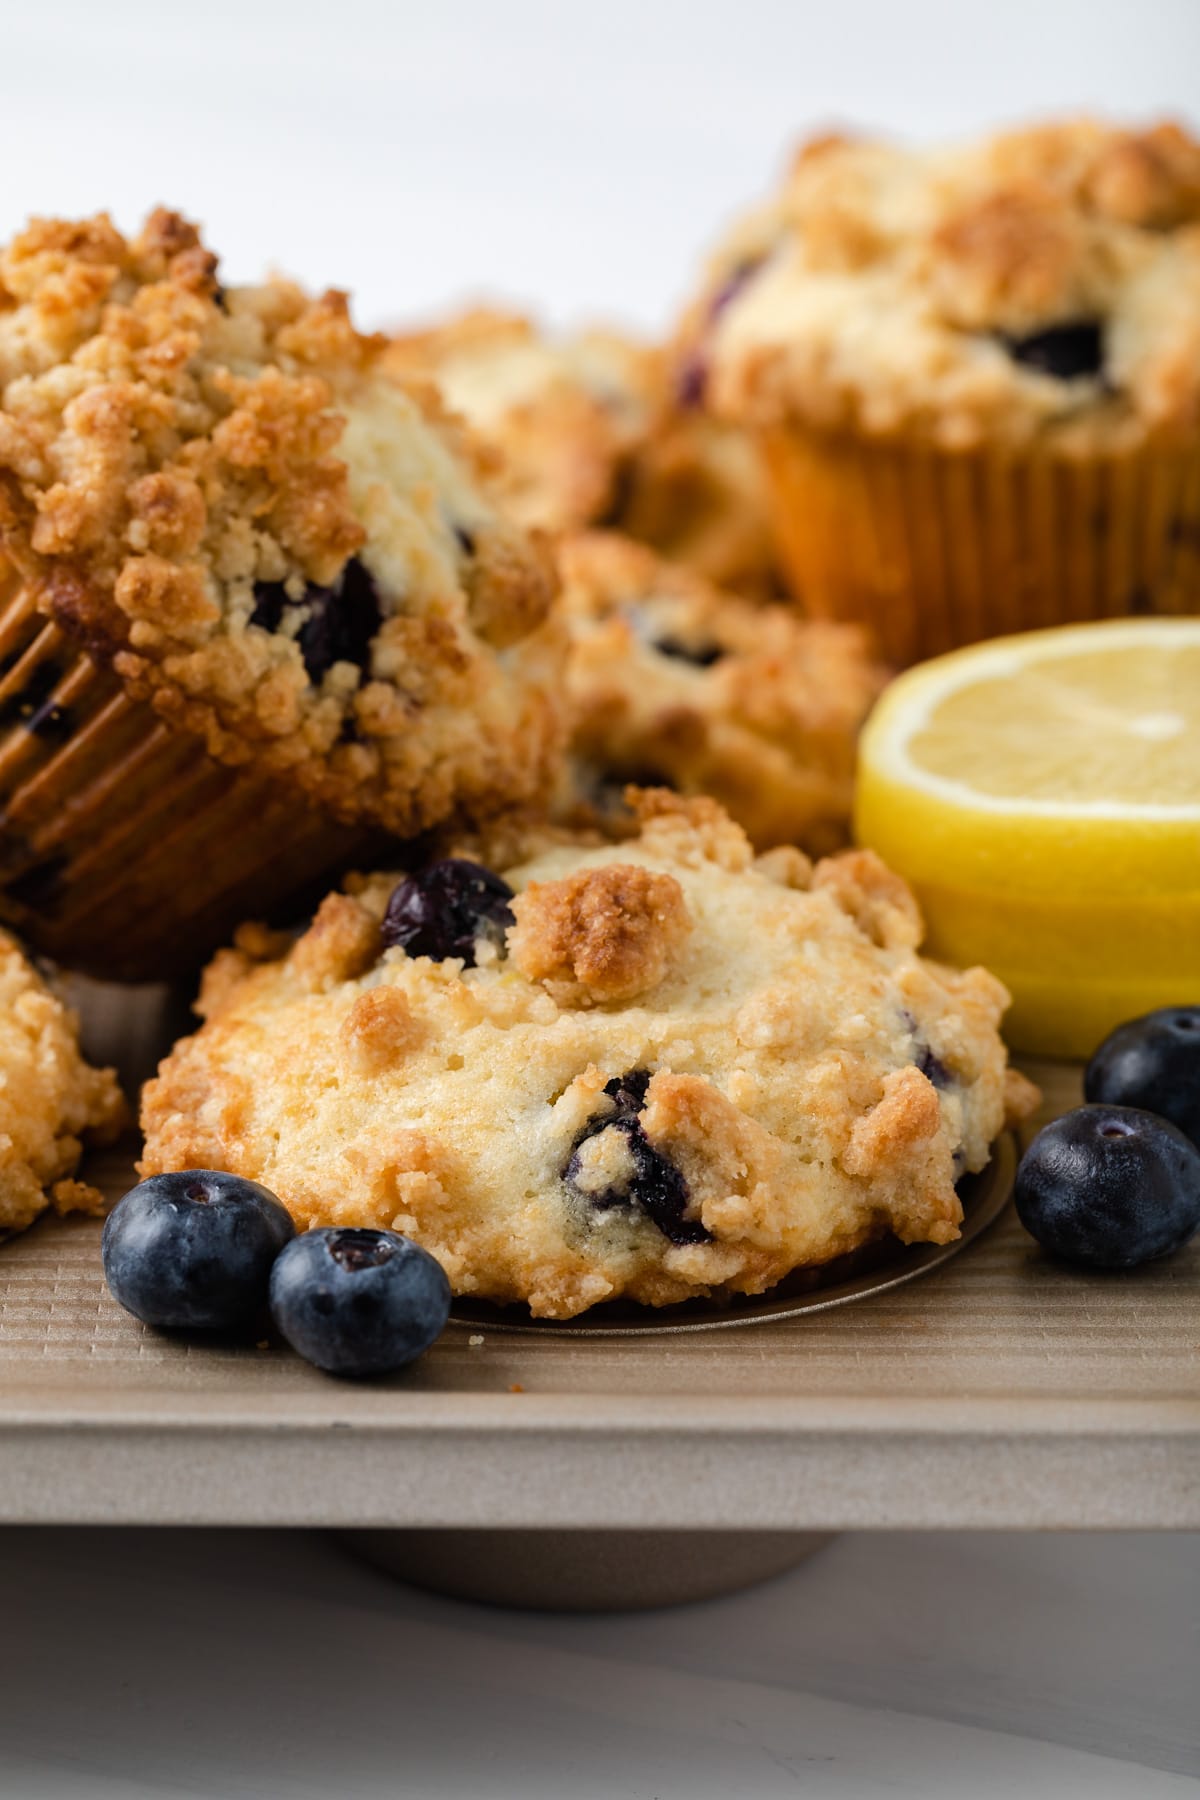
(695, 492)
(595, 429)
(51, 1101)
(656, 1070)
(267, 599)
(564, 415)
(672, 682)
(975, 377)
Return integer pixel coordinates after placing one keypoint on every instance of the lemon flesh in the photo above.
(1042, 795)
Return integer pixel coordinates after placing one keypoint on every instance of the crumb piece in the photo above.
(602, 934)
(880, 902)
(341, 943)
(379, 1028)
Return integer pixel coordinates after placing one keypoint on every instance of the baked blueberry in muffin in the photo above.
(564, 415)
(592, 429)
(973, 373)
(680, 1070)
(670, 680)
(291, 553)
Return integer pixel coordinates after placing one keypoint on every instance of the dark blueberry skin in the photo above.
(442, 911)
(193, 1251)
(692, 377)
(702, 653)
(701, 656)
(933, 1068)
(1064, 351)
(925, 1057)
(1152, 1062)
(656, 1188)
(358, 1302)
(342, 619)
(1110, 1187)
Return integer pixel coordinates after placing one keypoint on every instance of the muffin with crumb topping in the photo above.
(563, 415)
(655, 1070)
(52, 1102)
(594, 429)
(264, 603)
(974, 375)
(671, 681)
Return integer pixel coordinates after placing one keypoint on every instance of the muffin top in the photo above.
(51, 1100)
(671, 681)
(695, 492)
(293, 553)
(660, 1069)
(589, 429)
(563, 413)
(1046, 281)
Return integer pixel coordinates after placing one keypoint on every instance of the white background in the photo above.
(578, 157)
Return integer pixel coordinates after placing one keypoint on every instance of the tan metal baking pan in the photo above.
(997, 1390)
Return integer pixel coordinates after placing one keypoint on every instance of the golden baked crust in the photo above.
(896, 292)
(291, 552)
(51, 1100)
(670, 680)
(688, 1073)
(695, 493)
(590, 429)
(563, 414)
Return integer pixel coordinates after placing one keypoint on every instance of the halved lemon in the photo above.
(1042, 795)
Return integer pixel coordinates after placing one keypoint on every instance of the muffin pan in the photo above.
(996, 1391)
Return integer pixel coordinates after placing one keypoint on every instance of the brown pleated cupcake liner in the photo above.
(937, 548)
(126, 851)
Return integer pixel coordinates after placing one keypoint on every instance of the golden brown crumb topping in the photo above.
(52, 1102)
(563, 415)
(291, 552)
(1044, 281)
(680, 1070)
(604, 934)
(671, 680)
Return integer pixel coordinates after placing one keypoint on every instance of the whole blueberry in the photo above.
(443, 910)
(358, 1302)
(1110, 1187)
(193, 1251)
(1152, 1062)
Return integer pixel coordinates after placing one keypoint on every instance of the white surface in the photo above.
(952, 1667)
(581, 158)
(578, 156)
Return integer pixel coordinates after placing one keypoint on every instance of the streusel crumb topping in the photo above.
(1046, 281)
(675, 1070)
(293, 553)
(564, 414)
(671, 680)
(52, 1102)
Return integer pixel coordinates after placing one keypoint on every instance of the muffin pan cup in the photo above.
(936, 548)
(541, 1468)
(125, 850)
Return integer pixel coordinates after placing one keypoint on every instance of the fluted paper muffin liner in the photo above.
(936, 548)
(126, 851)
